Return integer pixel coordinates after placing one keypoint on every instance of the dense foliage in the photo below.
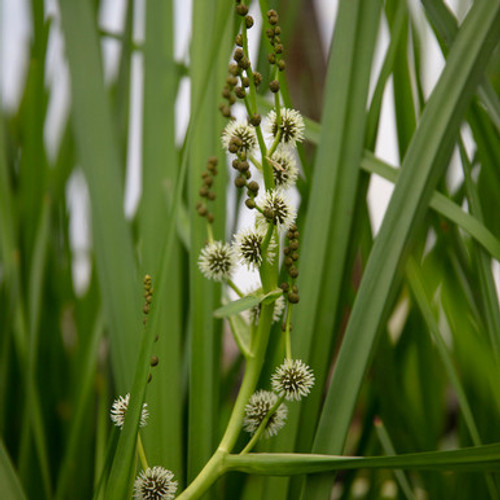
(362, 364)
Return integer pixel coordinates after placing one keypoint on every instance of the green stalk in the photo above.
(236, 290)
(213, 469)
(141, 452)
(249, 71)
(288, 323)
(276, 141)
(250, 378)
(209, 474)
(267, 168)
(267, 239)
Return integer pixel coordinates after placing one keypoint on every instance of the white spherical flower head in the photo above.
(279, 306)
(293, 379)
(239, 136)
(119, 410)
(291, 126)
(256, 410)
(155, 484)
(276, 208)
(217, 261)
(284, 168)
(248, 245)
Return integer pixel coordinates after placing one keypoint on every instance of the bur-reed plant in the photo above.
(358, 365)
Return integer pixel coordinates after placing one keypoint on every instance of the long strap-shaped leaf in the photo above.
(119, 481)
(100, 161)
(439, 202)
(331, 204)
(425, 161)
(162, 436)
(202, 293)
(446, 28)
(442, 205)
(342, 207)
(485, 457)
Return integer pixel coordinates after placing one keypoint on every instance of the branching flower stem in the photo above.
(215, 466)
(256, 162)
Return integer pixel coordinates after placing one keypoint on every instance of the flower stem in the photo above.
(288, 342)
(235, 288)
(142, 453)
(276, 141)
(267, 238)
(277, 104)
(269, 270)
(256, 162)
(214, 467)
(250, 379)
(251, 105)
(253, 100)
(210, 233)
(210, 473)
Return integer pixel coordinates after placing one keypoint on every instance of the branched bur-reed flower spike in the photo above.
(217, 261)
(119, 410)
(277, 209)
(293, 379)
(284, 168)
(279, 306)
(291, 126)
(155, 484)
(248, 245)
(256, 410)
(239, 137)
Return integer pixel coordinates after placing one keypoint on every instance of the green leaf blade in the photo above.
(9, 482)
(100, 161)
(424, 163)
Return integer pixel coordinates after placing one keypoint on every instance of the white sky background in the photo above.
(14, 45)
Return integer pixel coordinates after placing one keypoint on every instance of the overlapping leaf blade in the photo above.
(425, 160)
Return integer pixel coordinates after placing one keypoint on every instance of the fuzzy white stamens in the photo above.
(119, 410)
(239, 136)
(293, 379)
(155, 484)
(217, 261)
(291, 126)
(256, 410)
